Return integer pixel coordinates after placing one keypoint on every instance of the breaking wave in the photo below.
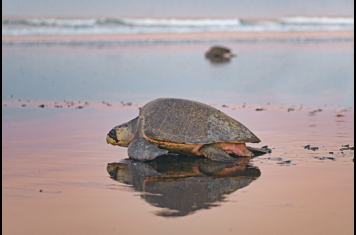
(46, 26)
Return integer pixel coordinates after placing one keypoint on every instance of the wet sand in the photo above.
(55, 179)
(55, 157)
(314, 73)
(177, 37)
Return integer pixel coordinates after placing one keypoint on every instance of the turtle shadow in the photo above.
(182, 185)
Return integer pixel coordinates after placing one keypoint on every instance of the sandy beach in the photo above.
(62, 94)
(173, 37)
(56, 181)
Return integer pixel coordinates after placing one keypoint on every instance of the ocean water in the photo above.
(21, 18)
(314, 73)
(92, 26)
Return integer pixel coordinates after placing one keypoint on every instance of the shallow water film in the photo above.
(60, 98)
(59, 176)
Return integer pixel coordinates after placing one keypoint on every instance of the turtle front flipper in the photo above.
(215, 153)
(141, 149)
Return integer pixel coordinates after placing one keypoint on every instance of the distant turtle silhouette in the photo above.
(218, 54)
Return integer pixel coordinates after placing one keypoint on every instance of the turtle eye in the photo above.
(112, 134)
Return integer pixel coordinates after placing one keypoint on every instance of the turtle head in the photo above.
(123, 134)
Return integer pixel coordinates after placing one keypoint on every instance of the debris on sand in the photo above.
(285, 162)
(312, 113)
(311, 148)
(325, 158)
(346, 147)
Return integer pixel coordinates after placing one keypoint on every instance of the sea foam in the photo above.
(97, 26)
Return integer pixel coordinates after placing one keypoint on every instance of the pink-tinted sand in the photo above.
(182, 36)
(65, 156)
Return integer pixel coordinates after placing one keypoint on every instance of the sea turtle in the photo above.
(184, 127)
(219, 54)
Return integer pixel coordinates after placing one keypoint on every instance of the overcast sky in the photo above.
(176, 8)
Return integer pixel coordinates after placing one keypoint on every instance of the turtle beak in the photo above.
(111, 137)
(108, 139)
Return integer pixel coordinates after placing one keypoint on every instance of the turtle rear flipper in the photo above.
(259, 151)
(215, 153)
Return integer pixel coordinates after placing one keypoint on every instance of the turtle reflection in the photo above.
(182, 185)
